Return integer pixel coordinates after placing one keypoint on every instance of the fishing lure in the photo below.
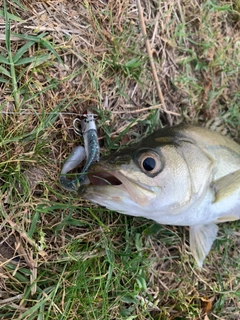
(90, 151)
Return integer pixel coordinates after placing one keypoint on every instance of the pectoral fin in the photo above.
(227, 186)
(201, 240)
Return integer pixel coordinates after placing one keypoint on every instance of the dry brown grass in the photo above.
(64, 241)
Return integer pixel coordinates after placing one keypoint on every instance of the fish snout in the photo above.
(119, 160)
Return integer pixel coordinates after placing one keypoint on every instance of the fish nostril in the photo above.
(121, 159)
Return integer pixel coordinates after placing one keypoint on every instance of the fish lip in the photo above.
(102, 178)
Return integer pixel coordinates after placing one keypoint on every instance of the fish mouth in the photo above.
(103, 178)
(115, 185)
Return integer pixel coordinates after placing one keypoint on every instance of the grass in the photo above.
(77, 260)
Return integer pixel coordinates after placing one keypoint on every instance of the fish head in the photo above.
(151, 179)
(126, 176)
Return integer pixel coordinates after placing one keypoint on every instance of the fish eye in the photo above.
(149, 162)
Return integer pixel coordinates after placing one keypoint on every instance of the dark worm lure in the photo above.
(90, 151)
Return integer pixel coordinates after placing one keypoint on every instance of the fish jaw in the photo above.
(138, 192)
(114, 198)
(117, 191)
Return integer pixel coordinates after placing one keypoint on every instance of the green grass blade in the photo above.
(21, 51)
(3, 80)
(35, 61)
(3, 60)
(10, 16)
(48, 46)
(41, 40)
(5, 71)
(34, 221)
(7, 28)
(12, 67)
(28, 37)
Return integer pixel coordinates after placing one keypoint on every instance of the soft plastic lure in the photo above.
(91, 151)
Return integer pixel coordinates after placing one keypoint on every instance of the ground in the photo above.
(60, 256)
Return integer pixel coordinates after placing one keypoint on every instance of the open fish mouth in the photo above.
(103, 178)
(115, 185)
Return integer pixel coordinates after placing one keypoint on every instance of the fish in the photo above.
(182, 176)
(90, 151)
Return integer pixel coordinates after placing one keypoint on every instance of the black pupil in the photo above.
(149, 164)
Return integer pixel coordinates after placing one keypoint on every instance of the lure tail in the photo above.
(75, 158)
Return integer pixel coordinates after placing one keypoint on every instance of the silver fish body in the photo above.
(182, 175)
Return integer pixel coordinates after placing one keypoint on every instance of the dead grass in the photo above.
(75, 260)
